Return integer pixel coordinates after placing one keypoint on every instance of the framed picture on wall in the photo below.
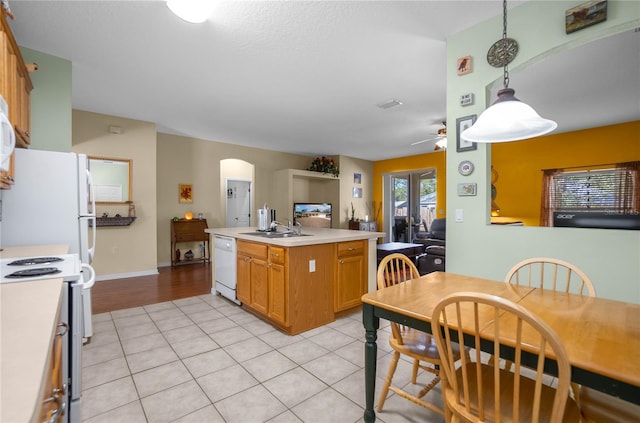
(462, 124)
(185, 193)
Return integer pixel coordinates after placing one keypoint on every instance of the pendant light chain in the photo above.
(504, 38)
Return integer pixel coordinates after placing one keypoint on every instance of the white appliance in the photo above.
(76, 276)
(225, 267)
(52, 202)
(7, 135)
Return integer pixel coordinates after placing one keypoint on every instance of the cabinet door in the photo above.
(349, 282)
(278, 291)
(243, 278)
(259, 285)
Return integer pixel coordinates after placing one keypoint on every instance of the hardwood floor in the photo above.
(170, 284)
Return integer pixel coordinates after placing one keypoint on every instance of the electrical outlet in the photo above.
(312, 266)
(459, 215)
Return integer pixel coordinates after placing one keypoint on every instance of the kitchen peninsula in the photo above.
(298, 283)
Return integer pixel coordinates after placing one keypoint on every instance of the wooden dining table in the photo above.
(601, 337)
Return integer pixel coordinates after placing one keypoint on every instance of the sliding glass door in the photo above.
(409, 203)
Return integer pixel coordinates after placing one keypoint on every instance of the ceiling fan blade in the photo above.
(427, 140)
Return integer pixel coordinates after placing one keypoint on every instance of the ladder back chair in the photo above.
(477, 392)
(420, 346)
(550, 273)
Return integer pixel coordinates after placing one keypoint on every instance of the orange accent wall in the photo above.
(435, 160)
(520, 164)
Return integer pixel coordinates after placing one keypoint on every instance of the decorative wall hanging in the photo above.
(462, 124)
(467, 189)
(463, 65)
(587, 14)
(185, 194)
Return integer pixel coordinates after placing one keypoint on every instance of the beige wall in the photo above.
(128, 250)
(183, 160)
(363, 206)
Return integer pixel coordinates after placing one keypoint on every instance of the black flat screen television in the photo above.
(314, 215)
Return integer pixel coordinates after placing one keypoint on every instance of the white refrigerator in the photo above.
(51, 202)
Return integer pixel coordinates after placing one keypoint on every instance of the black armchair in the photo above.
(434, 241)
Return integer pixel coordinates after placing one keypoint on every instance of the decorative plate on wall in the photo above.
(465, 168)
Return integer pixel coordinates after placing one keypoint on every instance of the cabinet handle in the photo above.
(56, 396)
(65, 329)
(341, 261)
(275, 255)
(350, 249)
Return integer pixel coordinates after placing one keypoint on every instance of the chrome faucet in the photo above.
(299, 225)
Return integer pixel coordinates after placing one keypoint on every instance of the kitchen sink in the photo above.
(275, 234)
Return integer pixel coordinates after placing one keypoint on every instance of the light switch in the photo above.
(312, 266)
(459, 215)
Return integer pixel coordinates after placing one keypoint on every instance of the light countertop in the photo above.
(28, 320)
(315, 236)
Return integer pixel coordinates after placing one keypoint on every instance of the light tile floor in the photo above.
(204, 359)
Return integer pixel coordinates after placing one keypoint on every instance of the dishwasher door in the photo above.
(225, 267)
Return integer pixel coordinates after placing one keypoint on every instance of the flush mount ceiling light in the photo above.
(194, 11)
(507, 119)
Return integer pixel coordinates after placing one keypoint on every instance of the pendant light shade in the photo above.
(193, 11)
(508, 119)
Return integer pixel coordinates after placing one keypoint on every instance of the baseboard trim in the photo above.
(127, 275)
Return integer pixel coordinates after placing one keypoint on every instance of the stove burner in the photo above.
(34, 260)
(38, 271)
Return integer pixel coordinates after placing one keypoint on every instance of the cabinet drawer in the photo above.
(276, 255)
(253, 249)
(350, 248)
(196, 236)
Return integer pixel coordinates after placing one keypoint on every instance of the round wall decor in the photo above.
(465, 168)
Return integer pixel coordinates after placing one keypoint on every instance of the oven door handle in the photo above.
(92, 279)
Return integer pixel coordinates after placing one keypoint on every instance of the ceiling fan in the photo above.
(440, 138)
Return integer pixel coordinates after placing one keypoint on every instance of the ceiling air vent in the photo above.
(389, 104)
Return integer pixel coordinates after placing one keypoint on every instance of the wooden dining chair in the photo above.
(477, 392)
(420, 346)
(597, 407)
(550, 273)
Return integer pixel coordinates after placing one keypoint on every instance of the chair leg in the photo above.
(414, 373)
(387, 382)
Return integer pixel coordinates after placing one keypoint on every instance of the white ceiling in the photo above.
(298, 76)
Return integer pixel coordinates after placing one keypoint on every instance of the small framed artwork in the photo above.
(357, 192)
(357, 178)
(584, 15)
(185, 193)
(462, 124)
(467, 189)
(463, 65)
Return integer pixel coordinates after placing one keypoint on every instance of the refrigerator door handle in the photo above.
(92, 249)
(88, 284)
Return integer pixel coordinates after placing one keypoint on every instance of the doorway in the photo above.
(238, 203)
(409, 203)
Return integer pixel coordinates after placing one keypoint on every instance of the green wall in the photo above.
(609, 257)
(50, 102)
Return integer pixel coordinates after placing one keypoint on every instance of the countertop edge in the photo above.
(316, 236)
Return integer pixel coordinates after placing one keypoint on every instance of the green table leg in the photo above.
(371, 325)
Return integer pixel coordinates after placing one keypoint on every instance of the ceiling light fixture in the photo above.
(389, 104)
(507, 119)
(194, 11)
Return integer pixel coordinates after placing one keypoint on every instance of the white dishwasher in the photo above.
(225, 267)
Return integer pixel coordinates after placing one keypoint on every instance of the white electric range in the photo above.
(77, 276)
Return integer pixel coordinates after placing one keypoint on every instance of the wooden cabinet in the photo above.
(184, 230)
(278, 284)
(351, 274)
(261, 279)
(15, 88)
(55, 391)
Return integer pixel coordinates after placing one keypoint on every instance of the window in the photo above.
(612, 189)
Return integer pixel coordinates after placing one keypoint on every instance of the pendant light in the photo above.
(193, 11)
(507, 119)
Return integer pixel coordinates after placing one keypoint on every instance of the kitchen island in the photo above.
(298, 283)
